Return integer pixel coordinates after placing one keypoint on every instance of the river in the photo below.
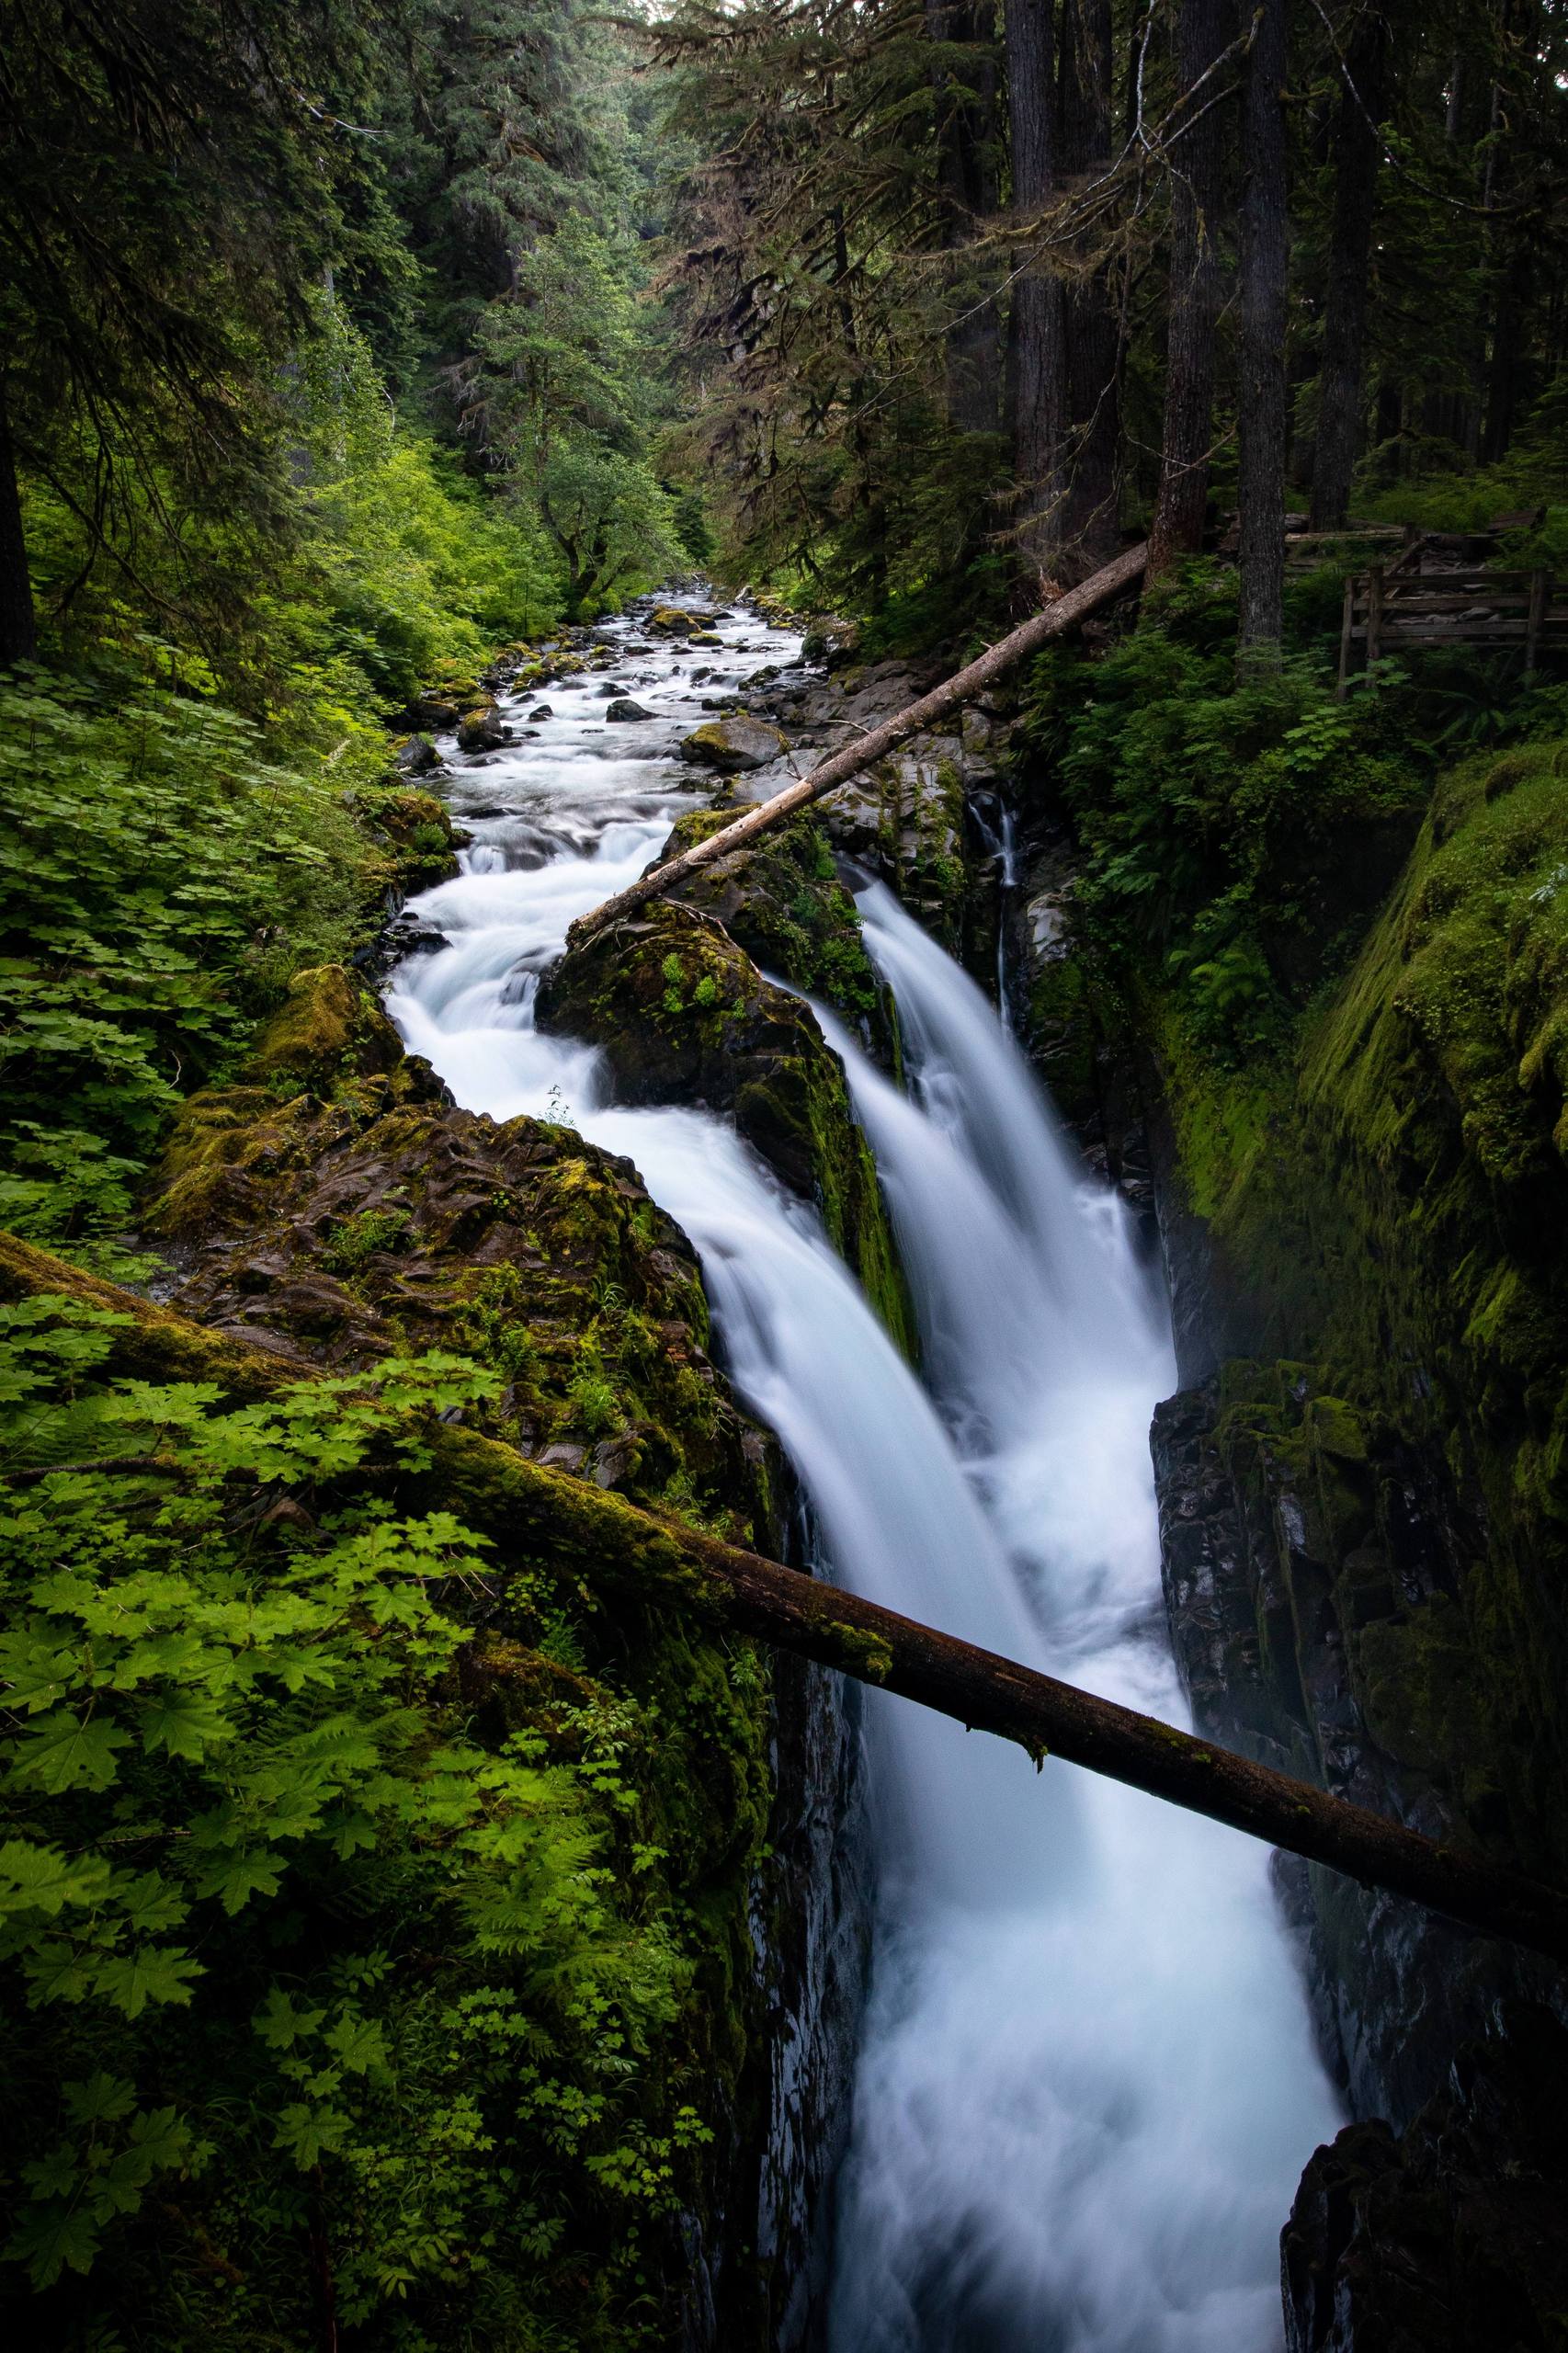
(1086, 2085)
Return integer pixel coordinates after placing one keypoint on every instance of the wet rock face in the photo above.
(1310, 1568)
(781, 901)
(1071, 1022)
(812, 1935)
(682, 1016)
(904, 819)
(1450, 2238)
(1309, 1587)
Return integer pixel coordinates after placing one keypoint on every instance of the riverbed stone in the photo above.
(624, 712)
(418, 756)
(436, 713)
(734, 744)
(483, 729)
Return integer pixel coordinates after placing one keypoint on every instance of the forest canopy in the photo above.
(876, 297)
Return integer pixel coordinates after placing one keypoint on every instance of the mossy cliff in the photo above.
(683, 1016)
(333, 1212)
(345, 1209)
(1365, 1497)
(1392, 1209)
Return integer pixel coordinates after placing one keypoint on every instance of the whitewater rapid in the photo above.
(1087, 2085)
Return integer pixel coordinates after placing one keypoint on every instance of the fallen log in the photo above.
(1055, 620)
(609, 1546)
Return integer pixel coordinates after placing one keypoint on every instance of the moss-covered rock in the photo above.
(904, 817)
(414, 830)
(342, 1226)
(780, 899)
(683, 1016)
(328, 1027)
(1386, 1217)
(678, 620)
(732, 745)
(481, 728)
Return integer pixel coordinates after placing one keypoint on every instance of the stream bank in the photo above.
(1361, 1488)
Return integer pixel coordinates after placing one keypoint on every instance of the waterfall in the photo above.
(1078, 2125)
(1086, 2087)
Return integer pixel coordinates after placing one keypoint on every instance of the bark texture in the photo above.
(1092, 331)
(965, 87)
(1357, 154)
(1262, 376)
(1197, 289)
(1038, 385)
(18, 629)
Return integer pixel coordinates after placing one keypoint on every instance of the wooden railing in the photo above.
(1405, 604)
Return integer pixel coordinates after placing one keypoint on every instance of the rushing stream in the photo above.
(1087, 2085)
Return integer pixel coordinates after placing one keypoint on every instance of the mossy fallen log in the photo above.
(582, 1532)
(1103, 587)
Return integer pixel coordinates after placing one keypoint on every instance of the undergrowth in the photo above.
(163, 879)
(317, 2002)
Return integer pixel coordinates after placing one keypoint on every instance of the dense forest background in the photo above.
(343, 349)
(344, 345)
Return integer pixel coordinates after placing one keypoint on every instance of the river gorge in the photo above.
(1085, 2083)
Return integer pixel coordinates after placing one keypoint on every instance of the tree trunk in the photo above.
(1037, 371)
(563, 1525)
(18, 627)
(1197, 292)
(1091, 331)
(961, 688)
(1510, 308)
(1265, 248)
(966, 149)
(1356, 154)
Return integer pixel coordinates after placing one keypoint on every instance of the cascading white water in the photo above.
(1080, 2128)
(1086, 2087)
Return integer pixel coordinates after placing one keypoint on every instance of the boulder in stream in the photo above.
(481, 728)
(418, 756)
(683, 1016)
(733, 745)
(624, 710)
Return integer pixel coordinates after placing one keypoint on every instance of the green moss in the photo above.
(682, 1015)
(1390, 1205)
(362, 1237)
(780, 899)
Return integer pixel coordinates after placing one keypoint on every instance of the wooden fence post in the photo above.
(1541, 590)
(1374, 611)
(1346, 625)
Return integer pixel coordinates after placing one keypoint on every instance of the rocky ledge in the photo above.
(334, 1206)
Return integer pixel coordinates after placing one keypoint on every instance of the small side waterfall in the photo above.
(1087, 2087)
